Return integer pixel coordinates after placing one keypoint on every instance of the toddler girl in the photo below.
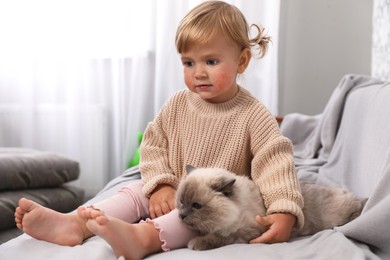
(213, 123)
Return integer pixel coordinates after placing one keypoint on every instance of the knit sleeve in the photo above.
(154, 165)
(273, 169)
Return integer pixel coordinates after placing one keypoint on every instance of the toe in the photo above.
(101, 220)
(81, 212)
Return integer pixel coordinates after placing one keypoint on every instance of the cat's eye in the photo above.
(196, 205)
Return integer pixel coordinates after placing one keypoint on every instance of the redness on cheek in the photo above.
(222, 81)
(187, 79)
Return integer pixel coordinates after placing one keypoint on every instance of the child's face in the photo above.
(210, 69)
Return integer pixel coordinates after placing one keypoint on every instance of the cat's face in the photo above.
(204, 200)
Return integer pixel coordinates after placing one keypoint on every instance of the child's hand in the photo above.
(162, 201)
(280, 226)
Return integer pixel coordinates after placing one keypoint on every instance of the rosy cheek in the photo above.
(187, 78)
(221, 80)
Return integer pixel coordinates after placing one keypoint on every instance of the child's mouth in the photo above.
(203, 87)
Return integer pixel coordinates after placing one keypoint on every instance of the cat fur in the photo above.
(222, 206)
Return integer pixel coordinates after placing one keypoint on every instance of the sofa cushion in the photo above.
(8, 234)
(27, 168)
(63, 199)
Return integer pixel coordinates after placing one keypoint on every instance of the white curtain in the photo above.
(82, 78)
(381, 40)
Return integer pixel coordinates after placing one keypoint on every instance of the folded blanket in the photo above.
(26, 168)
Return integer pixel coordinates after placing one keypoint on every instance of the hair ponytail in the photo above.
(260, 41)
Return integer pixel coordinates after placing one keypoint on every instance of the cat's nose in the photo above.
(183, 216)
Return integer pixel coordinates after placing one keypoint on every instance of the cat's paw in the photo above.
(198, 244)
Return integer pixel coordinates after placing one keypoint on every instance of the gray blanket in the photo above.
(348, 145)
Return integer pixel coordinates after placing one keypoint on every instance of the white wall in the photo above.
(319, 42)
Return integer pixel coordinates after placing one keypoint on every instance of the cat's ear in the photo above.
(190, 168)
(225, 185)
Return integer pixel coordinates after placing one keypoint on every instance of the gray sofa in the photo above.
(37, 175)
(347, 145)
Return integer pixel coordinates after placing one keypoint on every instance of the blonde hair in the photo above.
(203, 22)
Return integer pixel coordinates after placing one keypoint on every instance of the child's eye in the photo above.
(196, 205)
(188, 63)
(211, 62)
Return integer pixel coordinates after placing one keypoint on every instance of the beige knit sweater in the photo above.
(239, 135)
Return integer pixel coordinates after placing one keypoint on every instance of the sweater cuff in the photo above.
(152, 183)
(288, 206)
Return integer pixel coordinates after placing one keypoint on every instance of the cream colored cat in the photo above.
(222, 207)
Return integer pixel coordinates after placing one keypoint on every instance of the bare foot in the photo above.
(49, 225)
(133, 241)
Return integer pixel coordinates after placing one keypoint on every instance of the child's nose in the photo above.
(200, 72)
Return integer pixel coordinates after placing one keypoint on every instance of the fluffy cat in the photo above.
(222, 206)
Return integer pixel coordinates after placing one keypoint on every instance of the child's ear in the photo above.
(245, 57)
(189, 168)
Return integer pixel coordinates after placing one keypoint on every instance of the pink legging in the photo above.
(130, 204)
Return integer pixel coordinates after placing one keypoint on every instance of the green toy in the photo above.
(135, 160)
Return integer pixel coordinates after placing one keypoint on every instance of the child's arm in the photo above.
(279, 228)
(155, 165)
(273, 170)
